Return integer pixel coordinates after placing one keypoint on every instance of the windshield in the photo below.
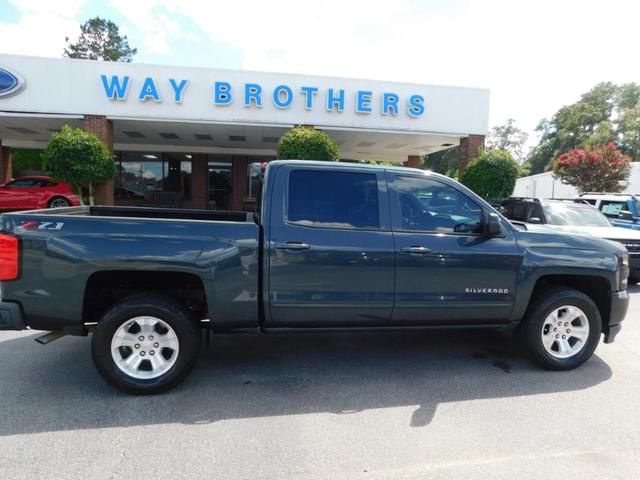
(575, 216)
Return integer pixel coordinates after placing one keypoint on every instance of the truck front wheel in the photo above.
(145, 344)
(562, 328)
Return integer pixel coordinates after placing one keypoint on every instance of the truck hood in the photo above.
(612, 233)
(553, 236)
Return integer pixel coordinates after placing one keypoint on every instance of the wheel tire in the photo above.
(165, 313)
(547, 301)
(59, 202)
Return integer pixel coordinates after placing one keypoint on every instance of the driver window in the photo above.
(432, 206)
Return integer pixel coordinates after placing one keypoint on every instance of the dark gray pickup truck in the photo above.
(337, 246)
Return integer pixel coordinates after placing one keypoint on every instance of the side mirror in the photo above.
(493, 225)
(535, 220)
(625, 215)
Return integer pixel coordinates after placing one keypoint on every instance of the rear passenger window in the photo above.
(333, 199)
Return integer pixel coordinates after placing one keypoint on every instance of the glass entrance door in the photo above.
(219, 183)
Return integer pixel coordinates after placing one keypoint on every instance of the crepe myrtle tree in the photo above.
(307, 143)
(78, 158)
(492, 174)
(594, 169)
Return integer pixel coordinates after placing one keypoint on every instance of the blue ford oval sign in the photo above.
(10, 82)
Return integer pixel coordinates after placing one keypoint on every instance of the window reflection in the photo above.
(143, 173)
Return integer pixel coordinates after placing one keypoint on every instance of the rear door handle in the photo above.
(293, 246)
(419, 249)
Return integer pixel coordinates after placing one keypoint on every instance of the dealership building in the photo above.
(195, 137)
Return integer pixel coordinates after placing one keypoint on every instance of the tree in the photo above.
(491, 175)
(594, 169)
(100, 39)
(26, 161)
(307, 143)
(606, 113)
(508, 137)
(78, 157)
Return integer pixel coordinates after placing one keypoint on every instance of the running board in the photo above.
(50, 337)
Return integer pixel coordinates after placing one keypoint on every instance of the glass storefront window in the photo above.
(220, 186)
(255, 171)
(143, 173)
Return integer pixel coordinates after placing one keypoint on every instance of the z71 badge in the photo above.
(34, 225)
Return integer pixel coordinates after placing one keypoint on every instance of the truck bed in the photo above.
(72, 257)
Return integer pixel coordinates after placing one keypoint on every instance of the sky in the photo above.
(533, 55)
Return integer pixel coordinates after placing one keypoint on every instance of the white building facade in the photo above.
(197, 131)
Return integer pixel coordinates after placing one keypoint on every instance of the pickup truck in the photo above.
(336, 247)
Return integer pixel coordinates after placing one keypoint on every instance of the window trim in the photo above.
(396, 215)
(376, 174)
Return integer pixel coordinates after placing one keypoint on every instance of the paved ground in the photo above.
(428, 405)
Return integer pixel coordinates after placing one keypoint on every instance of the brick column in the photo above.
(5, 164)
(101, 127)
(238, 180)
(199, 174)
(413, 161)
(469, 148)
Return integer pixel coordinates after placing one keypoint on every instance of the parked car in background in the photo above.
(623, 209)
(128, 194)
(580, 218)
(26, 193)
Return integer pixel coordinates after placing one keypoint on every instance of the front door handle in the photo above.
(418, 249)
(293, 246)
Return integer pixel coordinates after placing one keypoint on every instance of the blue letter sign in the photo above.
(114, 89)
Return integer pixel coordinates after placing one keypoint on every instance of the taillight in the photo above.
(8, 257)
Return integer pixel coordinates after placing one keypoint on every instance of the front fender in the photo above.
(541, 261)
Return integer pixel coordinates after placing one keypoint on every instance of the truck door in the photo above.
(330, 250)
(447, 270)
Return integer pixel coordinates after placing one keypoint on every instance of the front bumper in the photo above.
(11, 316)
(619, 306)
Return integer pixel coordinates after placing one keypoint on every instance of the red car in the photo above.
(26, 193)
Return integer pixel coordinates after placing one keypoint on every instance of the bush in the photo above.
(78, 157)
(594, 169)
(26, 161)
(491, 175)
(307, 143)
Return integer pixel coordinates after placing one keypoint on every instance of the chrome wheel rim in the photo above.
(145, 347)
(565, 331)
(59, 203)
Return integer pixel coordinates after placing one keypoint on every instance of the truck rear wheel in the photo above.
(145, 344)
(562, 328)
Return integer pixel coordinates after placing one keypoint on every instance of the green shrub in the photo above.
(78, 157)
(26, 160)
(491, 175)
(307, 143)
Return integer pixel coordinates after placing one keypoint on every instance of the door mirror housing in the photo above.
(493, 225)
(625, 215)
(535, 220)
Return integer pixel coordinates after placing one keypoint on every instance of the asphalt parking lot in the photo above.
(426, 405)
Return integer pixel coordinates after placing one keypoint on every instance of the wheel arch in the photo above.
(106, 288)
(596, 287)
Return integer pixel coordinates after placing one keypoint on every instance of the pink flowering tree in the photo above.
(594, 169)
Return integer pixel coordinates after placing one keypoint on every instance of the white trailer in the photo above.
(546, 185)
